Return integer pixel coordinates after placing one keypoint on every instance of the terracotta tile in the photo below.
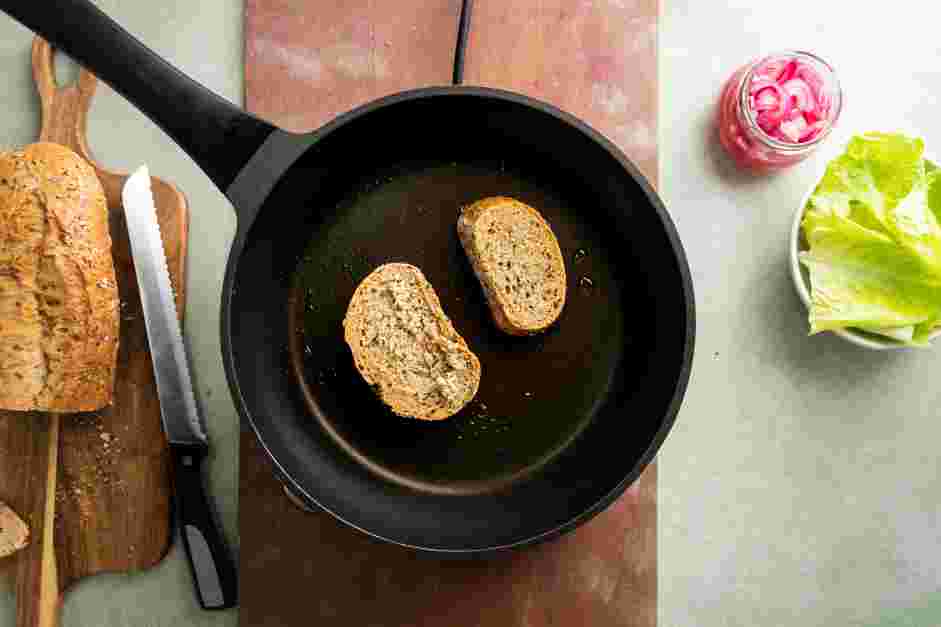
(596, 59)
(307, 62)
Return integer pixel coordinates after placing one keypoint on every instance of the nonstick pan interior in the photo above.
(562, 422)
(536, 393)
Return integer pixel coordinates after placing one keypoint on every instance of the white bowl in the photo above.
(802, 284)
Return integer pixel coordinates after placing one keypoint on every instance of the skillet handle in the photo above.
(460, 48)
(219, 136)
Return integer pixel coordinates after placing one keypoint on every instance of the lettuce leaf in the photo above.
(934, 204)
(875, 173)
(905, 335)
(934, 189)
(873, 226)
(922, 332)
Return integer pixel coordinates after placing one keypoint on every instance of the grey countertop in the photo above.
(205, 39)
(801, 483)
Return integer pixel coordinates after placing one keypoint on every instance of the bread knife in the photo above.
(210, 561)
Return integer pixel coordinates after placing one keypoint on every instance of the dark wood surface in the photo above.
(307, 62)
(112, 485)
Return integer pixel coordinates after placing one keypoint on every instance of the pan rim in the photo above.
(681, 383)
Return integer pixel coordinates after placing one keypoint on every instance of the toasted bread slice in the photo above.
(406, 347)
(517, 259)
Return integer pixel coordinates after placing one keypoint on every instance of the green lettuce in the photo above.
(934, 189)
(873, 229)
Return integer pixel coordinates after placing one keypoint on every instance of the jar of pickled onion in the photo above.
(775, 111)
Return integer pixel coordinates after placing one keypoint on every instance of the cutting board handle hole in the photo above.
(66, 70)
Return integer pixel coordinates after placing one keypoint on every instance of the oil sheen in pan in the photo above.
(536, 393)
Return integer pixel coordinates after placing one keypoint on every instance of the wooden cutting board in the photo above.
(112, 488)
(304, 64)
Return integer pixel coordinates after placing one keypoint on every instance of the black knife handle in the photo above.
(210, 560)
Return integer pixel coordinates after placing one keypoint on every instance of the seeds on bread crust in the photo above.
(517, 259)
(59, 306)
(405, 346)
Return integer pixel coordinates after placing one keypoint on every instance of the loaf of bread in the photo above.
(517, 259)
(406, 347)
(59, 308)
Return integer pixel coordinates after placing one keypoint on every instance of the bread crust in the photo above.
(474, 243)
(14, 534)
(401, 398)
(59, 306)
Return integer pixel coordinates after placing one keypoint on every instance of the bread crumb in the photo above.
(14, 534)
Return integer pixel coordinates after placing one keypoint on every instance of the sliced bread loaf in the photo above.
(406, 347)
(517, 259)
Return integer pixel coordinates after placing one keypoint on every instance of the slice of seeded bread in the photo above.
(517, 259)
(406, 347)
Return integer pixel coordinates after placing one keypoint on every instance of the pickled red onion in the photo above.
(789, 100)
(770, 97)
(812, 131)
(792, 130)
(813, 80)
(797, 89)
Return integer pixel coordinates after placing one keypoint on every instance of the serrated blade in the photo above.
(178, 408)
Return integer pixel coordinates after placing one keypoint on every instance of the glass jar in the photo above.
(775, 111)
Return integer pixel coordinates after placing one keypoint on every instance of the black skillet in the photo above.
(563, 422)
